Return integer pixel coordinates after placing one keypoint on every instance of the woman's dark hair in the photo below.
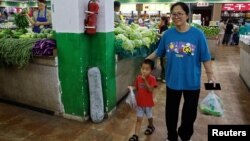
(149, 62)
(182, 5)
(117, 4)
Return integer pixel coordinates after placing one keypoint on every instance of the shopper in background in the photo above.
(243, 29)
(235, 36)
(222, 27)
(163, 26)
(185, 48)
(228, 32)
(11, 17)
(144, 85)
(117, 18)
(131, 20)
(1, 17)
(41, 17)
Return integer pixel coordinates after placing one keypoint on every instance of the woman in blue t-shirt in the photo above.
(185, 48)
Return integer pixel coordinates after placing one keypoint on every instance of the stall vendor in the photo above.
(117, 17)
(41, 17)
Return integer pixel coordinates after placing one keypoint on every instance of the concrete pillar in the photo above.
(78, 51)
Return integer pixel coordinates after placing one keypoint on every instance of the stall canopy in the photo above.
(187, 1)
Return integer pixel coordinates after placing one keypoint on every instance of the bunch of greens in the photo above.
(16, 52)
(210, 31)
(21, 21)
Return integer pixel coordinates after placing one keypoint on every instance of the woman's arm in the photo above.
(152, 56)
(209, 71)
(30, 19)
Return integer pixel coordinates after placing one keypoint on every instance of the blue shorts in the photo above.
(140, 111)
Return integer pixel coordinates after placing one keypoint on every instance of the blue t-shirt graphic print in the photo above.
(184, 53)
(181, 48)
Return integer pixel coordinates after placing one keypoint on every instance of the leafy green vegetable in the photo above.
(16, 52)
(21, 21)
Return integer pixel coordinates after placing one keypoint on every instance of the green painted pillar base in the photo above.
(102, 55)
(72, 63)
(77, 53)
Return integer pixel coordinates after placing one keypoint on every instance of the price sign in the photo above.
(236, 7)
(202, 4)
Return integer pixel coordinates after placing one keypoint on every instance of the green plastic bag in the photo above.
(212, 105)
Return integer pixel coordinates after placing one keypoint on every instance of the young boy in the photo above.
(144, 84)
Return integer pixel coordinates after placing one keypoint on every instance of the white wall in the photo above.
(68, 15)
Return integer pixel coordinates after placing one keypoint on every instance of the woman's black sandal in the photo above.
(149, 130)
(134, 138)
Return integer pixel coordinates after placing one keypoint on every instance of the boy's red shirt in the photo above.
(144, 97)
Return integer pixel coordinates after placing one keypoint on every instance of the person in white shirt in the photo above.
(222, 27)
(117, 6)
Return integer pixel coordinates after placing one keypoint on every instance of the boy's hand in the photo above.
(130, 87)
(143, 77)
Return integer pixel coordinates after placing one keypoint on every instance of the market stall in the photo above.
(244, 59)
(28, 61)
(237, 12)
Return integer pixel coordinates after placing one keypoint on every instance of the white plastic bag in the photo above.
(212, 105)
(131, 100)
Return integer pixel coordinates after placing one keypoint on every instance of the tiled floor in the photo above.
(19, 124)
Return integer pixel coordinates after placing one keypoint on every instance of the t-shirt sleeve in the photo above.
(205, 53)
(160, 51)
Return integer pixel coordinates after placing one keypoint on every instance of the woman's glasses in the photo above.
(178, 15)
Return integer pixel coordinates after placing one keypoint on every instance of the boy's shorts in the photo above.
(140, 111)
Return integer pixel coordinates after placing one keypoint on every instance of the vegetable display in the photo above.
(44, 47)
(208, 31)
(133, 40)
(134, 36)
(23, 33)
(16, 52)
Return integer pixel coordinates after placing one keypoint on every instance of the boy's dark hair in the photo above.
(42, 1)
(117, 4)
(150, 62)
(182, 5)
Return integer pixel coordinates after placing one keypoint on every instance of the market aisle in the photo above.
(19, 124)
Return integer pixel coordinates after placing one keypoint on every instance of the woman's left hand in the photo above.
(211, 78)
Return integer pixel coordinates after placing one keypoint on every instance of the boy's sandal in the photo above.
(149, 130)
(134, 138)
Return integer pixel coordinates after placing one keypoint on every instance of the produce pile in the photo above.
(17, 46)
(211, 31)
(208, 31)
(45, 33)
(133, 40)
(23, 33)
(44, 47)
(16, 52)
